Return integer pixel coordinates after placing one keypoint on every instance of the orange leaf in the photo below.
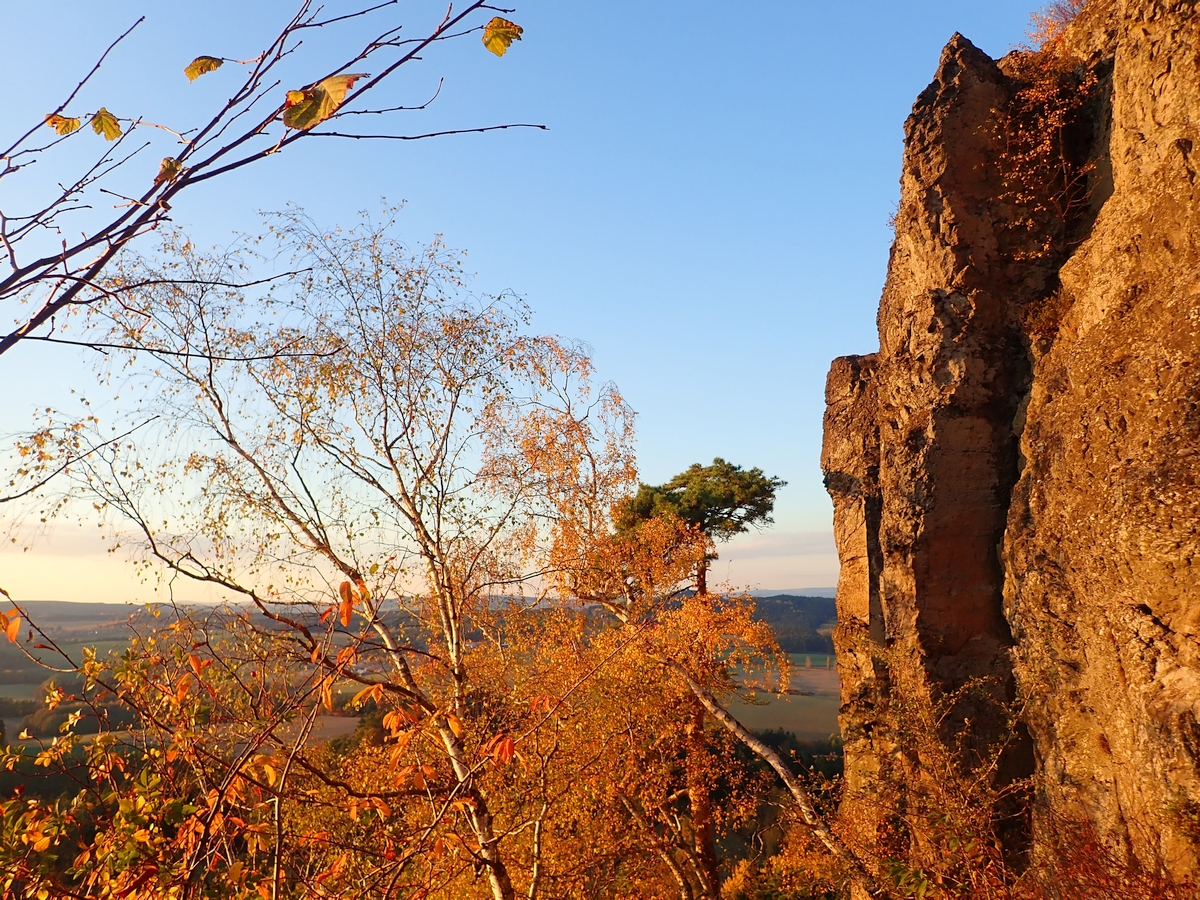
(62, 124)
(13, 629)
(374, 692)
(194, 662)
(502, 748)
(347, 607)
(361, 586)
(397, 719)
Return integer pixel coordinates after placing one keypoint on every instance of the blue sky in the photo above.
(708, 210)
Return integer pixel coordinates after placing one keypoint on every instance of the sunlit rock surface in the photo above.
(1016, 472)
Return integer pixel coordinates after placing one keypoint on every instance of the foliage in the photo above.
(382, 470)
(256, 121)
(948, 822)
(1048, 24)
(718, 501)
(1046, 139)
(796, 620)
(823, 757)
(721, 500)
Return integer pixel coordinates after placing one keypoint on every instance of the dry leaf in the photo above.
(202, 65)
(499, 34)
(62, 124)
(305, 109)
(105, 123)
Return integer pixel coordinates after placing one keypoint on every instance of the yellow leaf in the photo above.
(304, 109)
(14, 627)
(455, 724)
(105, 123)
(499, 34)
(202, 65)
(62, 124)
(42, 845)
(167, 171)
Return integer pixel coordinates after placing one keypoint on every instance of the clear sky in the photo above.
(708, 210)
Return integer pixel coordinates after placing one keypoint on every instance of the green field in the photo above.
(810, 715)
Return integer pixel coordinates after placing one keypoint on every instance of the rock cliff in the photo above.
(1016, 471)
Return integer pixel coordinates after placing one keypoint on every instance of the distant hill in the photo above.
(796, 592)
(71, 626)
(802, 624)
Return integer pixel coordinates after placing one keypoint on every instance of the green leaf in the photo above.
(304, 109)
(62, 124)
(105, 123)
(202, 65)
(499, 34)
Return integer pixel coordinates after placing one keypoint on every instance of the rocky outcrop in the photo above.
(1016, 472)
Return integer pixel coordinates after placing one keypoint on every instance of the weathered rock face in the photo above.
(1016, 472)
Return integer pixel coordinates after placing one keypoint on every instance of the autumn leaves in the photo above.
(302, 109)
(102, 121)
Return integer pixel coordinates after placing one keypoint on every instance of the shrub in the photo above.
(1047, 26)
(1046, 136)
